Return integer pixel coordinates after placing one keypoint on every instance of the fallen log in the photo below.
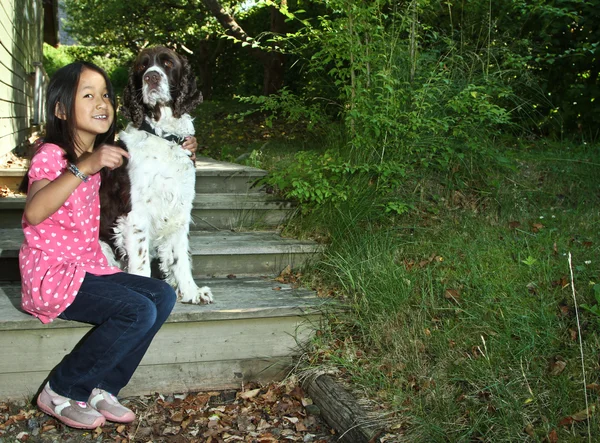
(341, 410)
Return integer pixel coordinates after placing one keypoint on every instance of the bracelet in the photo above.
(77, 173)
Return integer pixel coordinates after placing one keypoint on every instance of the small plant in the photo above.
(529, 261)
(594, 308)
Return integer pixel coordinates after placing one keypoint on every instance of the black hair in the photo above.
(61, 94)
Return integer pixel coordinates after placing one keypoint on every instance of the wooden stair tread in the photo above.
(235, 299)
(254, 200)
(202, 243)
(204, 166)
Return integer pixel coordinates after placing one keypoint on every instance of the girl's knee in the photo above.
(144, 313)
(167, 294)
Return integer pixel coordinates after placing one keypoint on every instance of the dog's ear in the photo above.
(188, 95)
(132, 108)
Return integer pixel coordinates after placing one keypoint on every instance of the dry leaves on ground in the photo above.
(259, 414)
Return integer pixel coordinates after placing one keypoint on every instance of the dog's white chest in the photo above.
(162, 180)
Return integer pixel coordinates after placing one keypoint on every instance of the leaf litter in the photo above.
(277, 412)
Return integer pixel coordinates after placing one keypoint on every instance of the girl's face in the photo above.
(94, 111)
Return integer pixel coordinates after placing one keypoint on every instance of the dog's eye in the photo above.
(168, 63)
(141, 67)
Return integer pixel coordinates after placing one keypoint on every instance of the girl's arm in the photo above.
(45, 197)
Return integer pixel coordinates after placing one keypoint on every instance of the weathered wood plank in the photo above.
(167, 379)
(236, 299)
(341, 410)
(10, 141)
(12, 110)
(202, 243)
(21, 40)
(214, 255)
(181, 342)
(249, 334)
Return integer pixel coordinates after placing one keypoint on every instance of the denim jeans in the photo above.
(128, 310)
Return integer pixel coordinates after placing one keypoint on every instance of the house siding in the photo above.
(21, 49)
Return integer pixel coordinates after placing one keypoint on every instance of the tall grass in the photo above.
(461, 317)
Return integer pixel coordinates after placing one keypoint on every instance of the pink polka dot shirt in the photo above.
(57, 253)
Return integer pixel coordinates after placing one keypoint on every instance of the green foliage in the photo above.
(315, 179)
(285, 105)
(115, 65)
(594, 308)
(457, 315)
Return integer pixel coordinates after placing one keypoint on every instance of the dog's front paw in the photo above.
(205, 295)
(202, 296)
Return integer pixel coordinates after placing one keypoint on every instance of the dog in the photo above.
(146, 205)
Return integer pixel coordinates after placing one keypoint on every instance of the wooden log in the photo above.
(341, 410)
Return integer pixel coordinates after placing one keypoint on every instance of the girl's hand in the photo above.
(191, 144)
(108, 156)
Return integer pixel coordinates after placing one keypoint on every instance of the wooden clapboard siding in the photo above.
(21, 45)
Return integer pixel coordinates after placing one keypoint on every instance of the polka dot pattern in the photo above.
(57, 253)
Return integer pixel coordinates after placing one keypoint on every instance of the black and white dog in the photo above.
(147, 205)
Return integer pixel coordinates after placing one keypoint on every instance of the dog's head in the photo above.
(159, 77)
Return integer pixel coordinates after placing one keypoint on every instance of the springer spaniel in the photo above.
(146, 206)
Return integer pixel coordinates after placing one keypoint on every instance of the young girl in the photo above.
(64, 273)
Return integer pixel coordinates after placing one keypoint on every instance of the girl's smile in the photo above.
(94, 111)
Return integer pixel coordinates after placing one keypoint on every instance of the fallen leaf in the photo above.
(177, 417)
(529, 430)
(452, 294)
(557, 366)
(593, 387)
(553, 436)
(536, 227)
(514, 224)
(580, 416)
(249, 394)
(562, 282)
(584, 414)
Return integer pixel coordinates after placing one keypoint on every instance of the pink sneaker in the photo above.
(76, 414)
(108, 405)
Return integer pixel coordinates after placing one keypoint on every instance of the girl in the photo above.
(64, 273)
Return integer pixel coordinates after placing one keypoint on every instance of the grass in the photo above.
(462, 313)
(462, 321)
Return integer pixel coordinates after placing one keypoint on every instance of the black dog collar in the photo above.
(145, 126)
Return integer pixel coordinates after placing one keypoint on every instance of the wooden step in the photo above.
(12, 177)
(212, 176)
(210, 211)
(239, 211)
(250, 333)
(214, 254)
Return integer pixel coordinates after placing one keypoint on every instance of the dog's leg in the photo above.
(132, 237)
(176, 265)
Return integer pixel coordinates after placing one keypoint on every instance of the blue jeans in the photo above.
(128, 310)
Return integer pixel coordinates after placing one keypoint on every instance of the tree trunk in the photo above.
(274, 63)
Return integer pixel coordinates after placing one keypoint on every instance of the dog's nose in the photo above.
(152, 78)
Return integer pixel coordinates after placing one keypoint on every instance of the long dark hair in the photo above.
(61, 93)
